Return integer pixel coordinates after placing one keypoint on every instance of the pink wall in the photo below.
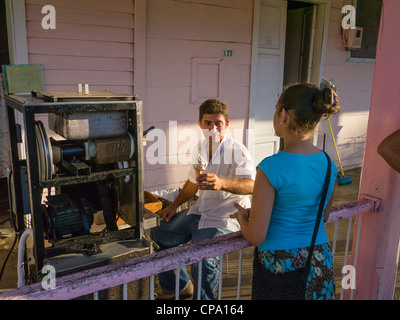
(179, 34)
(92, 43)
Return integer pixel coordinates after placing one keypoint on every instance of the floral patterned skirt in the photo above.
(320, 283)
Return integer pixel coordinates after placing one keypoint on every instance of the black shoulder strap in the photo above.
(321, 207)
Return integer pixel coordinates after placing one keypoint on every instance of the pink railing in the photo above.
(100, 278)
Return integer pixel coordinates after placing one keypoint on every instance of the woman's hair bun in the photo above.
(326, 102)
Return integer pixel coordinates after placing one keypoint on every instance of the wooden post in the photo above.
(379, 236)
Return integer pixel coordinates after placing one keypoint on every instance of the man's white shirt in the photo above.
(231, 160)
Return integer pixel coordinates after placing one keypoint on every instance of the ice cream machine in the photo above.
(90, 161)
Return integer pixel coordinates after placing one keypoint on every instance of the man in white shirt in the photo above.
(228, 178)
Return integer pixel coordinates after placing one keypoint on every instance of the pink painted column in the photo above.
(379, 235)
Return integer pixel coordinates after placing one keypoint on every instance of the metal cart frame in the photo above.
(29, 106)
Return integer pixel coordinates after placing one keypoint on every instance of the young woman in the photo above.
(287, 193)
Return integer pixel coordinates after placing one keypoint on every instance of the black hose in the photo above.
(148, 130)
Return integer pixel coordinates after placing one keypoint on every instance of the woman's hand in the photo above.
(242, 213)
(254, 230)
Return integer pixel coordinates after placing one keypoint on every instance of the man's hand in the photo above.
(209, 181)
(169, 212)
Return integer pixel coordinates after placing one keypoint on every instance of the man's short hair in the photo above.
(213, 106)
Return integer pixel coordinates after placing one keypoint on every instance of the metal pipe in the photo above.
(199, 271)
(240, 274)
(125, 291)
(221, 263)
(177, 270)
(335, 240)
(21, 253)
(356, 253)
(347, 249)
(152, 287)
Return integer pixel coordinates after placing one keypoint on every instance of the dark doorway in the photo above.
(4, 55)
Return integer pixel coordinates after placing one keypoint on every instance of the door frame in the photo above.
(321, 36)
(16, 30)
(17, 49)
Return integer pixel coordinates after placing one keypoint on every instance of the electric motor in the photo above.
(65, 217)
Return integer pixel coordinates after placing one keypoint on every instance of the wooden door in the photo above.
(267, 75)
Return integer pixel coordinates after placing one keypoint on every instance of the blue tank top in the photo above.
(298, 181)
